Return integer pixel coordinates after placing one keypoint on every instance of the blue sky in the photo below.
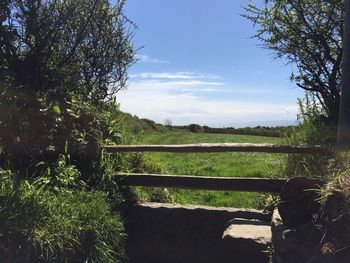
(198, 64)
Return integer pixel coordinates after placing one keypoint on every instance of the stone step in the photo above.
(249, 237)
(168, 233)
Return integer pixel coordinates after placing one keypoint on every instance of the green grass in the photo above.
(213, 164)
(54, 220)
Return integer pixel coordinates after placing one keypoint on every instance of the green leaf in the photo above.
(56, 109)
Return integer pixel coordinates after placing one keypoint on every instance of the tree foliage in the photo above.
(60, 62)
(60, 47)
(308, 34)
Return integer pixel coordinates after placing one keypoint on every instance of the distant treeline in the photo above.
(137, 125)
(277, 131)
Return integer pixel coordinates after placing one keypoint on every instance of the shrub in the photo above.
(312, 130)
(34, 130)
(195, 128)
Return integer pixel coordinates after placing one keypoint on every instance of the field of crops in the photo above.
(213, 164)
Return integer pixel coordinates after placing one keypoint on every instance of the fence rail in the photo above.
(210, 183)
(219, 147)
(202, 182)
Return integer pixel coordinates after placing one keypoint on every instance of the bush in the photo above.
(34, 130)
(195, 128)
(312, 130)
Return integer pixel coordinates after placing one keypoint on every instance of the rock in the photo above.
(277, 229)
(298, 201)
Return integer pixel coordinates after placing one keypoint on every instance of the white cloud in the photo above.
(173, 75)
(187, 97)
(178, 82)
(176, 85)
(148, 59)
(180, 102)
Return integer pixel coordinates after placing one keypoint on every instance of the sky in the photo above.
(197, 63)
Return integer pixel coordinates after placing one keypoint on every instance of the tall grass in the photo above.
(55, 219)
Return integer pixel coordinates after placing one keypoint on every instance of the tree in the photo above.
(308, 34)
(168, 122)
(64, 47)
(195, 128)
(60, 60)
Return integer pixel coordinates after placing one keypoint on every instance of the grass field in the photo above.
(213, 164)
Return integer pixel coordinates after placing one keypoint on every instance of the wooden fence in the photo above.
(219, 147)
(210, 183)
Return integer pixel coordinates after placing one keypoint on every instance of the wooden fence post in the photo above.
(343, 139)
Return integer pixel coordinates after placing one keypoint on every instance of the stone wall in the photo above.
(180, 234)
